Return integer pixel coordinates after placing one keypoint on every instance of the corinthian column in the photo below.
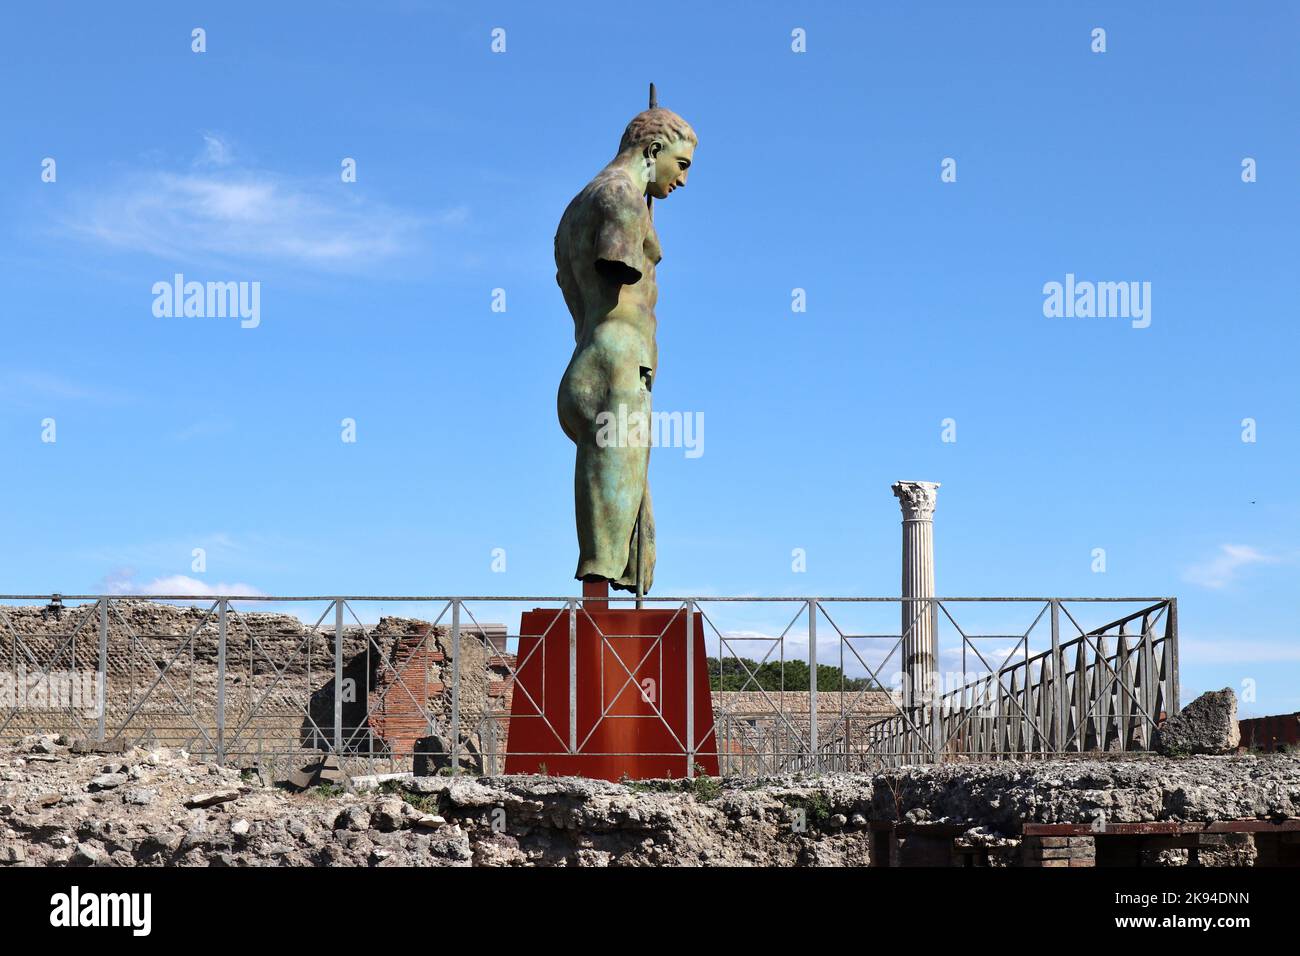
(920, 618)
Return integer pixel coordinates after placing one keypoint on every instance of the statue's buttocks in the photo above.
(607, 235)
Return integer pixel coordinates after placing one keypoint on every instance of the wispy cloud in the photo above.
(245, 217)
(205, 428)
(218, 210)
(247, 553)
(216, 151)
(123, 582)
(44, 386)
(1223, 568)
(1237, 651)
(754, 636)
(950, 658)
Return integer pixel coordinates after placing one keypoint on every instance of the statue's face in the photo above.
(671, 163)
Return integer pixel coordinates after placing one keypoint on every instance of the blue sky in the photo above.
(816, 170)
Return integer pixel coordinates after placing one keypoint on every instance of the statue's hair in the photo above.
(657, 123)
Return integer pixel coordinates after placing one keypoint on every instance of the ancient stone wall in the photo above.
(162, 684)
(168, 808)
(279, 689)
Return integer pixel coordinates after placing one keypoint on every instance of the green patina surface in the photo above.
(606, 253)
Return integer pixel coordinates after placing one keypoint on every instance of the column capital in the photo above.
(917, 498)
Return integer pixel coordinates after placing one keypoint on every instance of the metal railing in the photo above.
(1075, 696)
(278, 687)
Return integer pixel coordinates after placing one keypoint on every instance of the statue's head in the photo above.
(663, 141)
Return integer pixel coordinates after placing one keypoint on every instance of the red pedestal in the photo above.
(627, 712)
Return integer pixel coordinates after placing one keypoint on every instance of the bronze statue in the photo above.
(606, 251)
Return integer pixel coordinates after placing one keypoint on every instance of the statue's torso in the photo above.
(608, 315)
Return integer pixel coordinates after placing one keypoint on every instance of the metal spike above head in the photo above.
(650, 204)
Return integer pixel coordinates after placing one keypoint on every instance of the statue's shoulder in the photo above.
(612, 194)
(609, 199)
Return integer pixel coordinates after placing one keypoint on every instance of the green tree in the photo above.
(734, 673)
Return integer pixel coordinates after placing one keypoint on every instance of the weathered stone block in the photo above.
(1208, 725)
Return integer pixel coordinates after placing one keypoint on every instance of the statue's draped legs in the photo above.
(611, 491)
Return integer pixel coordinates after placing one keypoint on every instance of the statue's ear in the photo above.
(653, 150)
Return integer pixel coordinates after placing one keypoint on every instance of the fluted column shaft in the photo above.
(919, 618)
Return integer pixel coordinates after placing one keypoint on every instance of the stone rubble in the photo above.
(177, 811)
(1208, 725)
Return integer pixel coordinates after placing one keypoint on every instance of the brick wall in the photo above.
(1059, 851)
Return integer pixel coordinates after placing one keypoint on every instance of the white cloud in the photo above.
(755, 636)
(123, 582)
(455, 216)
(1223, 568)
(216, 151)
(221, 212)
(244, 217)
